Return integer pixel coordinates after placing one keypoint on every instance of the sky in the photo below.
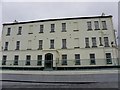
(25, 11)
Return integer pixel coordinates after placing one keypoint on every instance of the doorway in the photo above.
(48, 61)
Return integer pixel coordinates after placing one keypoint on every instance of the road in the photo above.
(109, 80)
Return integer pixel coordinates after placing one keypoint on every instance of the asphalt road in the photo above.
(60, 81)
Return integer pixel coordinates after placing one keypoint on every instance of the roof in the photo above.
(58, 19)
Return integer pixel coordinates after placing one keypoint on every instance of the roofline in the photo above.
(72, 18)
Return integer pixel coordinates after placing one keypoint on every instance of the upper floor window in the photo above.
(94, 42)
(89, 25)
(108, 58)
(96, 23)
(64, 59)
(104, 26)
(6, 46)
(41, 28)
(100, 39)
(76, 43)
(87, 42)
(39, 58)
(17, 45)
(29, 45)
(77, 59)
(106, 42)
(40, 44)
(52, 44)
(4, 59)
(19, 30)
(16, 58)
(92, 59)
(8, 31)
(52, 28)
(28, 58)
(64, 44)
(31, 28)
(63, 27)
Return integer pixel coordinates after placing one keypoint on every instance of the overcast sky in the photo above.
(25, 11)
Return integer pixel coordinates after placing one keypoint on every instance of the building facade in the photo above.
(60, 43)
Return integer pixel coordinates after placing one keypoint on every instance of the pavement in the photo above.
(67, 72)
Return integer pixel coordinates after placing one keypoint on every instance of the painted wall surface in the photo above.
(75, 29)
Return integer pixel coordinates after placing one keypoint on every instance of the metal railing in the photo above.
(60, 63)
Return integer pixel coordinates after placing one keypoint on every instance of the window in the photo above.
(100, 39)
(104, 26)
(94, 42)
(40, 44)
(89, 25)
(75, 26)
(4, 59)
(28, 58)
(29, 44)
(64, 44)
(39, 58)
(92, 59)
(52, 44)
(106, 41)
(19, 30)
(16, 57)
(64, 59)
(41, 28)
(30, 29)
(87, 42)
(8, 31)
(77, 59)
(6, 46)
(76, 42)
(52, 28)
(108, 58)
(96, 25)
(17, 45)
(63, 27)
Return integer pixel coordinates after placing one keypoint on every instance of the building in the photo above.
(64, 43)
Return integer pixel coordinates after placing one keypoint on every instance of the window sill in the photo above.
(64, 48)
(7, 34)
(90, 30)
(17, 49)
(30, 33)
(63, 31)
(39, 49)
(52, 31)
(87, 47)
(40, 32)
(29, 49)
(96, 29)
(5, 49)
(106, 46)
(104, 29)
(76, 30)
(94, 46)
(64, 64)
(76, 47)
(18, 34)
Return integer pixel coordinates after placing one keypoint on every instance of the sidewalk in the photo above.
(77, 72)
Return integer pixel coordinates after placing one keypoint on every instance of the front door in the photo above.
(48, 60)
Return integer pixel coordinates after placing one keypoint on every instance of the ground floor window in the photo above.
(92, 59)
(4, 59)
(108, 58)
(28, 58)
(16, 57)
(39, 60)
(77, 59)
(64, 59)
